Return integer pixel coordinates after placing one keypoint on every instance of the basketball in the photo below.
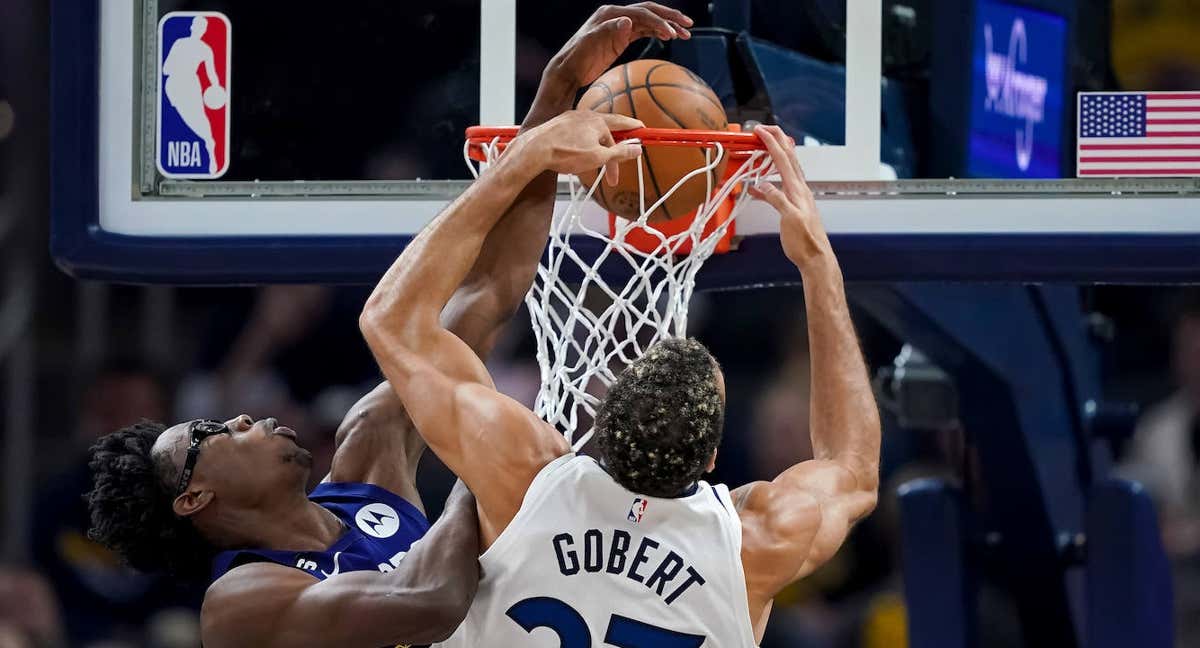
(662, 95)
(214, 97)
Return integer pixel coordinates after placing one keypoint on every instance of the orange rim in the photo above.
(736, 144)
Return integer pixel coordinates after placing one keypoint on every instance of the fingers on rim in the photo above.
(770, 193)
(785, 160)
(770, 138)
(623, 152)
(789, 145)
(619, 122)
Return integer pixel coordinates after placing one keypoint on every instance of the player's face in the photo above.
(199, 26)
(253, 461)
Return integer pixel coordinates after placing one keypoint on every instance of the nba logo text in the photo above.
(637, 510)
(193, 94)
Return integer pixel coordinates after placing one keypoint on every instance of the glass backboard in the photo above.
(941, 136)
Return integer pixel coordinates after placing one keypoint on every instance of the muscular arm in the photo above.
(421, 601)
(443, 385)
(796, 522)
(808, 510)
(376, 442)
(492, 442)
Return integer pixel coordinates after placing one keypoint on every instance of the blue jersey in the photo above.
(380, 527)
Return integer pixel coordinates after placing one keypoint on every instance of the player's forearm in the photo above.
(421, 601)
(442, 568)
(449, 552)
(844, 418)
(555, 95)
(507, 263)
(411, 295)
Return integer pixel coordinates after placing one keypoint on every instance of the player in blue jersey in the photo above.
(354, 563)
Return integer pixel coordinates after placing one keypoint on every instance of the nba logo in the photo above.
(637, 510)
(193, 94)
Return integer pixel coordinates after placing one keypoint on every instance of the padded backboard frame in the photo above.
(916, 230)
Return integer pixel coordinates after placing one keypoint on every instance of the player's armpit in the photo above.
(797, 522)
(376, 443)
(493, 443)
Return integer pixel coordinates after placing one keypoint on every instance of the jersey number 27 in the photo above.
(572, 630)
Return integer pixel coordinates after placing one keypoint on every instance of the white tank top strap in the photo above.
(739, 599)
(540, 488)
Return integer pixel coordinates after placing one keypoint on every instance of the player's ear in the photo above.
(712, 463)
(191, 502)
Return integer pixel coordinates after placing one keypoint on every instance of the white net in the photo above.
(597, 307)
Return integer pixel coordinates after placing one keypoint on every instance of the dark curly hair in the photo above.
(130, 506)
(662, 420)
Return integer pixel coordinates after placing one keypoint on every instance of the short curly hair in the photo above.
(662, 419)
(130, 506)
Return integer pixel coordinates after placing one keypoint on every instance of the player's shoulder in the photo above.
(241, 604)
(554, 473)
(768, 511)
(250, 579)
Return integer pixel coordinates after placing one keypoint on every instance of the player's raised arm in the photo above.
(370, 447)
(797, 521)
(422, 600)
(501, 275)
(492, 442)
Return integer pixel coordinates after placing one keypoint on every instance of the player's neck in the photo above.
(298, 526)
(687, 491)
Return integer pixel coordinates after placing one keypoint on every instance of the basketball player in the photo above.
(342, 566)
(634, 550)
(181, 67)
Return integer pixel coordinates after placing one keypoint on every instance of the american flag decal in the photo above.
(1138, 134)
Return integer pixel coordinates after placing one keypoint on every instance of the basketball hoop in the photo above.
(582, 345)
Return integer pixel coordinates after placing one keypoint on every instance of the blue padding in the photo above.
(808, 96)
(938, 587)
(1128, 577)
(708, 56)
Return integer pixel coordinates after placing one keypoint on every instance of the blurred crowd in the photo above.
(293, 352)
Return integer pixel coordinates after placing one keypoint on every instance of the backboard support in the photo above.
(115, 221)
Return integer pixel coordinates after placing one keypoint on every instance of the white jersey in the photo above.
(587, 563)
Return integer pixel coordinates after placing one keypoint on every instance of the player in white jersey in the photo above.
(593, 562)
(639, 552)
